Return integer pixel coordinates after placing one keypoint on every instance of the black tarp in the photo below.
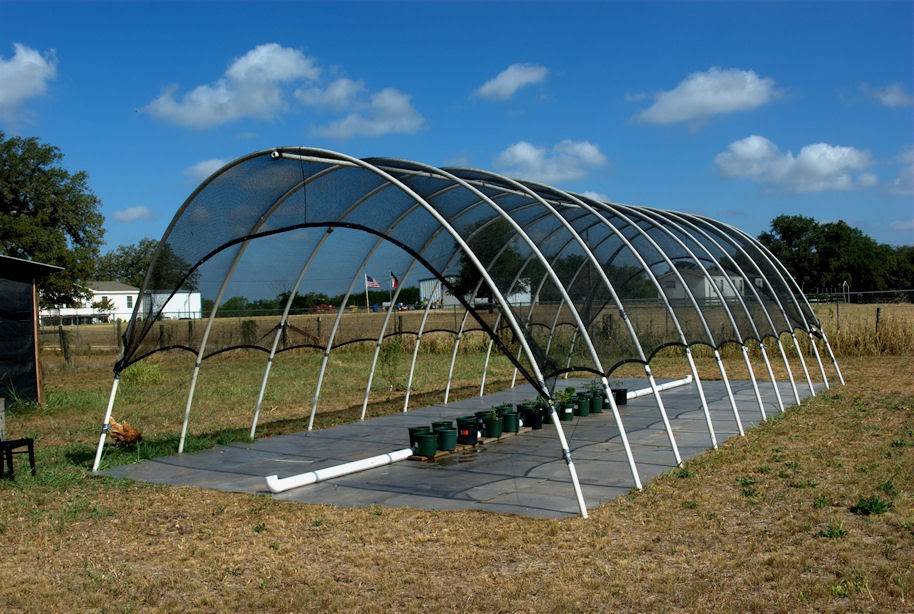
(18, 368)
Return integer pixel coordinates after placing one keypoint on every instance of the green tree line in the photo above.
(823, 255)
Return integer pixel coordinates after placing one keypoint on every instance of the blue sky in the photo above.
(740, 111)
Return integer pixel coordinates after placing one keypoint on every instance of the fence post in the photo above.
(319, 337)
(878, 313)
(2, 422)
(64, 343)
(118, 342)
(837, 316)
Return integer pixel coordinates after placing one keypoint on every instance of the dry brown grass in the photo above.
(741, 529)
(851, 328)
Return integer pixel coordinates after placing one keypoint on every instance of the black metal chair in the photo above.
(9, 447)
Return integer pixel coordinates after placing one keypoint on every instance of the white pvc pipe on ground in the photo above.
(277, 484)
(634, 394)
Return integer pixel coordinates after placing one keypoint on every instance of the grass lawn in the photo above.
(813, 510)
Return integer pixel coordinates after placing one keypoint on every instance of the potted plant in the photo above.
(481, 419)
(527, 411)
(582, 404)
(510, 422)
(566, 410)
(620, 393)
(492, 425)
(467, 430)
(426, 444)
(597, 397)
(447, 438)
(414, 431)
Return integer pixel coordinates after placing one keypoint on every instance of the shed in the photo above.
(20, 375)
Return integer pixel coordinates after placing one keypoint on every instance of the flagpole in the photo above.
(390, 290)
(367, 307)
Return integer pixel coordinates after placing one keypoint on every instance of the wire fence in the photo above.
(857, 322)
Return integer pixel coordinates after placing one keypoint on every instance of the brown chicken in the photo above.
(123, 432)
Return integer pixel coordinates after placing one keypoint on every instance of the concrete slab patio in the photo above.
(520, 475)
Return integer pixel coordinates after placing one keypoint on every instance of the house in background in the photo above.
(699, 284)
(433, 290)
(113, 300)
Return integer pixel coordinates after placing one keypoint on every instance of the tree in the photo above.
(49, 215)
(128, 264)
(104, 304)
(486, 244)
(825, 255)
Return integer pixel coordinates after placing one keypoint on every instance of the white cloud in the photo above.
(506, 83)
(25, 75)
(600, 196)
(203, 169)
(565, 161)
(132, 214)
(388, 111)
(713, 92)
(892, 95)
(902, 225)
(339, 95)
(816, 168)
(250, 88)
(904, 182)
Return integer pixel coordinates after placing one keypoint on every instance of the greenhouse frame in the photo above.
(608, 284)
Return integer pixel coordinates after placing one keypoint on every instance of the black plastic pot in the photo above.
(481, 419)
(492, 427)
(447, 438)
(582, 404)
(467, 431)
(510, 422)
(596, 401)
(620, 395)
(534, 419)
(414, 431)
(426, 444)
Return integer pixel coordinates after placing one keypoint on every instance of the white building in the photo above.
(432, 289)
(113, 300)
(699, 284)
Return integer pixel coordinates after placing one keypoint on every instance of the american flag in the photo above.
(394, 282)
(371, 282)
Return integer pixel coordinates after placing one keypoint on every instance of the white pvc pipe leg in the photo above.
(260, 395)
(723, 374)
(793, 383)
(834, 361)
(618, 418)
(701, 395)
(666, 421)
(796, 345)
(758, 395)
(105, 427)
(187, 406)
(485, 369)
(774, 381)
(566, 454)
(412, 365)
(450, 371)
(815, 350)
